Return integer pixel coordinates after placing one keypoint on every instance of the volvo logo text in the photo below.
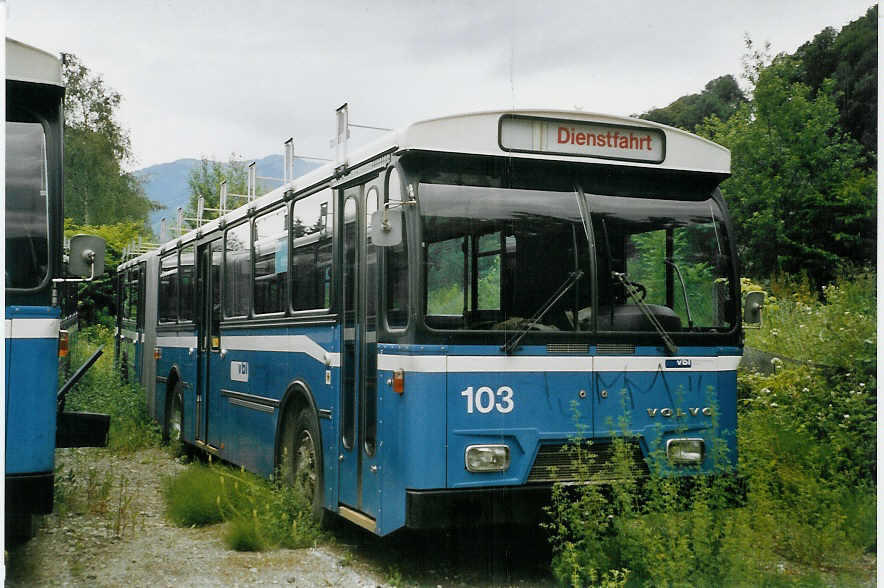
(669, 412)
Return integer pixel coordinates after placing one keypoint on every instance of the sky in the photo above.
(214, 78)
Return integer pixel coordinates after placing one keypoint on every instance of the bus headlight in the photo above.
(686, 451)
(487, 458)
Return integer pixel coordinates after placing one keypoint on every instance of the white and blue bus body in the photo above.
(34, 121)
(552, 275)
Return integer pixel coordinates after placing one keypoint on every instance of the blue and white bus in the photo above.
(414, 333)
(35, 337)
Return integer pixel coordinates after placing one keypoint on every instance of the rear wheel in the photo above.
(301, 461)
(174, 415)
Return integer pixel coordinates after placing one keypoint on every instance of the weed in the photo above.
(101, 390)
(393, 576)
(806, 439)
(261, 514)
(193, 497)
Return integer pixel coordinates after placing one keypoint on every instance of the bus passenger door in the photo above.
(359, 469)
(209, 340)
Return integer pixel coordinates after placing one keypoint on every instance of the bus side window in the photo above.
(237, 271)
(185, 283)
(167, 305)
(396, 263)
(271, 261)
(312, 252)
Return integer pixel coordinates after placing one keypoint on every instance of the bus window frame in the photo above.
(181, 248)
(53, 181)
(383, 261)
(247, 221)
(331, 200)
(177, 305)
(287, 227)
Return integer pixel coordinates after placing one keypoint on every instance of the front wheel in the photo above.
(302, 460)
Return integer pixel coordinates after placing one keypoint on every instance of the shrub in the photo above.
(260, 514)
(101, 390)
(806, 441)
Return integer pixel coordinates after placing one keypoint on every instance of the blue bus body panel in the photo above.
(31, 389)
(602, 397)
(245, 434)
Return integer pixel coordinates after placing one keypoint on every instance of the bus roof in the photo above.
(29, 64)
(482, 133)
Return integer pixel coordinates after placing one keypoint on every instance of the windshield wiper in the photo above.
(632, 291)
(684, 292)
(566, 285)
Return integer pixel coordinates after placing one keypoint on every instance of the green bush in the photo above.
(806, 437)
(193, 497)
(260, 514)
(101, 390)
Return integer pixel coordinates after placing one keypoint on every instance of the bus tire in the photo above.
(174, 415)
(301, 461)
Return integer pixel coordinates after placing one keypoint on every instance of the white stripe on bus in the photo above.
(281, 343)
(480, 363)
(185, 342)
(32, 328)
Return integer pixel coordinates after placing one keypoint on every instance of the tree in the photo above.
(800, 197)
(97, 190)
(720, 97)
(96, 300)
(205, 180)
(850, 58)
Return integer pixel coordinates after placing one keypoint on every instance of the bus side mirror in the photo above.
(386, 227)
(87, 256)
(752, 306)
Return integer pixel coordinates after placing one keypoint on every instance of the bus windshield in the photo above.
(496, 258)
(27, 201)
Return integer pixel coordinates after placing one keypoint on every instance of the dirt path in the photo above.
(124, 540)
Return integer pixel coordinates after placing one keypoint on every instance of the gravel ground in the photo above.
(134, 545)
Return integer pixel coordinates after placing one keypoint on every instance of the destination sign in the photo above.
(569, 137)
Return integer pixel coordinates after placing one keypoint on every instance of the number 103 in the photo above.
(484, 399)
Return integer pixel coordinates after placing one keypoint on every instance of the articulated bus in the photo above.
(415, 333)
(35, 331)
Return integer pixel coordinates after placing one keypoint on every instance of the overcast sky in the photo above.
(211, 78)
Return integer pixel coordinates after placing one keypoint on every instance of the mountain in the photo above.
(166, 183)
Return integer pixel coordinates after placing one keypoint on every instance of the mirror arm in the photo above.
(91, 256)
(385, 223)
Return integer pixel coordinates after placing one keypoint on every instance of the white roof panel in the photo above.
(29, 64)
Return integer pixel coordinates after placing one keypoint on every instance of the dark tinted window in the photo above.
(185, 284)
(312, 252)
(271, 261)
(27, 228)
(167, 304)
(237, 274)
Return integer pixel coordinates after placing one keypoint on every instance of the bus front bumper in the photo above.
(30, 493)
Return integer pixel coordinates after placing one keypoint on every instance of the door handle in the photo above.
(223, 353)
(190, 350)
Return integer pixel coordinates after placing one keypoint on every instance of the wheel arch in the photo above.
(297, 397)
(172, 380)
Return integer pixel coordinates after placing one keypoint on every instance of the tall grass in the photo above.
(260, 514)
(102, 390)
(806, 512)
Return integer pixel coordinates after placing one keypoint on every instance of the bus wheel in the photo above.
(304, 461)
(174, 416)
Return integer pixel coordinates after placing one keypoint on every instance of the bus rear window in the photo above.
(27, 202)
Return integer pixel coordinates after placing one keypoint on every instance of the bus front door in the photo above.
(209, 343)
(359, 471)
